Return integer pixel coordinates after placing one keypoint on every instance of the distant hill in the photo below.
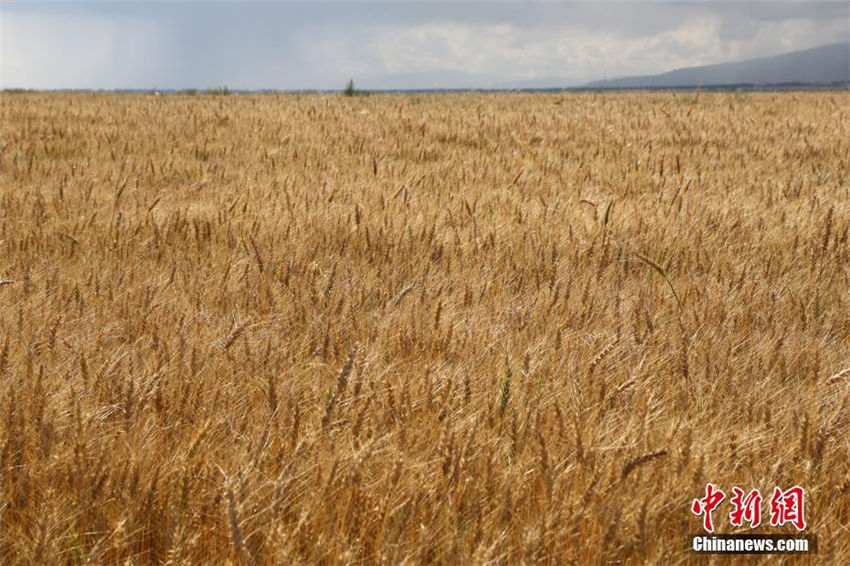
(825, 65)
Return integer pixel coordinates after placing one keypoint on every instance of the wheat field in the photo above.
(407, 329)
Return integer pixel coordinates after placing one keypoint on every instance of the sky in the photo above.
(390, 44)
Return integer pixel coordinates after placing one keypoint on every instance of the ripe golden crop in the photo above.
(464, 328)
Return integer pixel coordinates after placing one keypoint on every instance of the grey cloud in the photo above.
(320, 44)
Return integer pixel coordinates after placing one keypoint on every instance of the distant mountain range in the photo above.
(825, 65)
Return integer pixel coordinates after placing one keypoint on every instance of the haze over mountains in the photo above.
(452, 79)
(818, 66)
(824, 65)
